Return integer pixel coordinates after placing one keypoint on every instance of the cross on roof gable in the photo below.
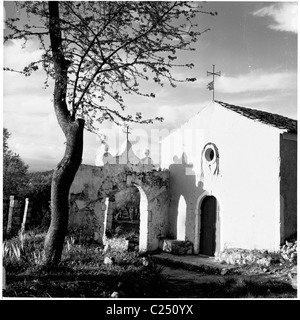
(272, 119)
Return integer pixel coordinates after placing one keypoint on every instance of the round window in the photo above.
(209, 154)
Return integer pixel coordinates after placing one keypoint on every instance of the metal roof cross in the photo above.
(211, 85)
(126, 130)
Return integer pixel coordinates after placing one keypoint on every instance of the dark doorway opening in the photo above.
(208, 229)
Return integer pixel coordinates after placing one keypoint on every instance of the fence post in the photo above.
(25, 215)
(3, 278)
(10, 213)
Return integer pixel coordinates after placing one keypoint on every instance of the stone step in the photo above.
(178, 247)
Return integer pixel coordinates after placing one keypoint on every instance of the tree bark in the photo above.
(65, 171)
(62, 179)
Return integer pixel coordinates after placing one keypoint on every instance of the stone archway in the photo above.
(92, 187)
(109, 220)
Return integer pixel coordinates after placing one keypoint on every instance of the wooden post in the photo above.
(10, 213)
(3, 278)
(25, 215)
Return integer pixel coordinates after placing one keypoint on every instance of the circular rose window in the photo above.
(210, 153)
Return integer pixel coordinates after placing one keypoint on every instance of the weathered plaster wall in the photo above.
(288, 184)
(87, 207)
(93, 186)
(245, 181)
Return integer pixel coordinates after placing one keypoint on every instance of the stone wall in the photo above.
(92, 206)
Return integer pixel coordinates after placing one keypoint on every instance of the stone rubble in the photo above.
(178, 247)
(287, 253)
(108, 261)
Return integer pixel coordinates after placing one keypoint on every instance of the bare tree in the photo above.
(94, 51)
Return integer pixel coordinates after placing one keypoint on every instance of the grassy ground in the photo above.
(199, 285)
(88, 271)
(85, 271)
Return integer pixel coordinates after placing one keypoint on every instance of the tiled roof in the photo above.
(272, 119)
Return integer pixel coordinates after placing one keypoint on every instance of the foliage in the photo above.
(18, 182)
(127, 198)
(39, 193)
(6, 135)
(14, 170)
(109, 47)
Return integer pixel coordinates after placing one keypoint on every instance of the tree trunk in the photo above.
(65, 171)
(62, 179)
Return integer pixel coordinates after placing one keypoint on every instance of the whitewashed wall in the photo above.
(246, 187)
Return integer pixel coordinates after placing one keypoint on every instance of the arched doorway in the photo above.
(209, 226)
(126, 215)
(181, 219)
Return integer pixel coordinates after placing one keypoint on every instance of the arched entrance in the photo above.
(181, 219)
(122, 222)
(125, 223)
(209, 230)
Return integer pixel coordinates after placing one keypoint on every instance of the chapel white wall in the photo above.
(246, 188)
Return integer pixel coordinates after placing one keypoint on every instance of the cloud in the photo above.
(175, 116)
(284, 15)
(16, 56)
(257, 81)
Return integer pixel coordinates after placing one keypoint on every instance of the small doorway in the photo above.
(209, 228)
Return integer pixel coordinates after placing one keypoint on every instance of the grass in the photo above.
(253, 287)
(81, 273)
(230, 287)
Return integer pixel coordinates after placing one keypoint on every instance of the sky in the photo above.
(252, 44)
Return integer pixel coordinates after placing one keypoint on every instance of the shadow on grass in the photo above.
(97, 282)
(232, 287)
(140, 283)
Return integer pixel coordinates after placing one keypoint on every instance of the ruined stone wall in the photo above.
(91, 209)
